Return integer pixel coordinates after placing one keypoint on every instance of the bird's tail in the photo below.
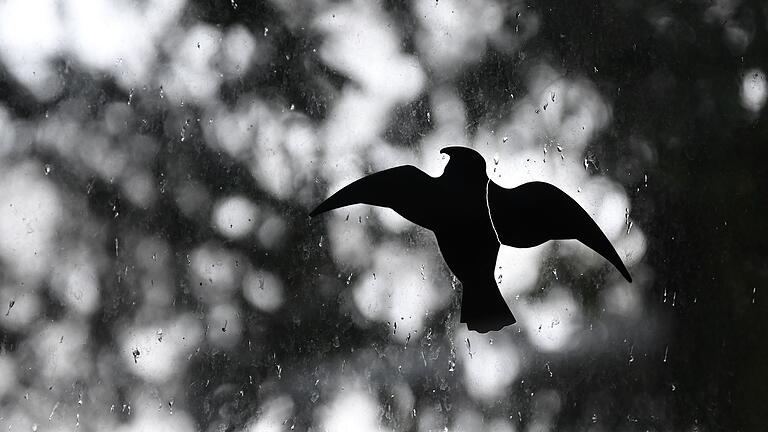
(483, 308)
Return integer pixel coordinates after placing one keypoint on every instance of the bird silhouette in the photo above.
(471, 217)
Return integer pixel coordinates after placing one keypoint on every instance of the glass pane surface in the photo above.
(159, 269)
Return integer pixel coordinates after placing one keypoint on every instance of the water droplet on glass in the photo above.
(55, 406)
(47, 169)
(184, 129)
(627, 222)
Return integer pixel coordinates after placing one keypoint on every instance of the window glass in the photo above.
(159, 269)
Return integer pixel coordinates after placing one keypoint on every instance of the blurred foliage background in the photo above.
(159, 271)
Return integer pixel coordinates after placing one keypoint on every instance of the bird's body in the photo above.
(469, 246)
(471, 217)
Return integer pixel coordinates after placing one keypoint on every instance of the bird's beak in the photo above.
(447, 150)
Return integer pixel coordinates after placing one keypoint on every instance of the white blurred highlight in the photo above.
(754, 90)
(214, 271)
(224, 326)
(25, 311)
(156, 353)
(192, 76)
(349, 240)
(263, 290)
(491, 367)
(372, 55)
(234, 216)
(361, 43)
(271, 231)
(108, 36)
(60, 349)
(30, 35)
(139, 187)
(518, 269)
(75, 281)
(30, 211)
(454, 33)
(8, 379)
(623, 299)
(239, 47)
(552, 322)
(351, 411)
(467, 420)
(274, 414)
(400, 290)
(147, 417)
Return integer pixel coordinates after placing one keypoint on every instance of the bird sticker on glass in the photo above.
(471, 217)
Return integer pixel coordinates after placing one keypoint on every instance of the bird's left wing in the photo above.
(535, 212)
(405, 189)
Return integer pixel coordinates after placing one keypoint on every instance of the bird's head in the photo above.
(465, 163)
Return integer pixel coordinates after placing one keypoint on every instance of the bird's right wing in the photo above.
(535, 212)
(405, 189)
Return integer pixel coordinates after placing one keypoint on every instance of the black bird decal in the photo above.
(471, 217)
